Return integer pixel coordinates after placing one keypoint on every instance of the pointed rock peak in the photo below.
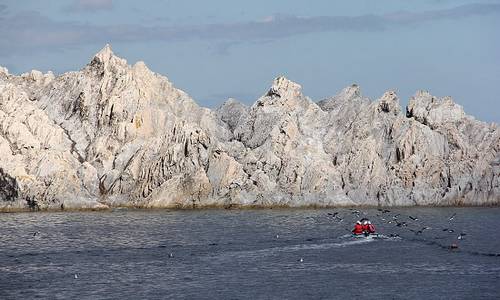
(283, 87)
(105, 54)
(232, 104)
(350, 92)
(107, 57)
(389, 102)
(345, 96)
(390, 96)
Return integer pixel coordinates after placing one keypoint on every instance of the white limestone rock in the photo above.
(113, 134)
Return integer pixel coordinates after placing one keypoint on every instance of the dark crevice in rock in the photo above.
(9, 189)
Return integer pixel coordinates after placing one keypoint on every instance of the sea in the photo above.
(420, 253)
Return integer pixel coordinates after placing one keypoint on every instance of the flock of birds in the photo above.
(412, 224)
(398, 220)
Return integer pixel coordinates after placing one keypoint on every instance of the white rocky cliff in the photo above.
(113, 134)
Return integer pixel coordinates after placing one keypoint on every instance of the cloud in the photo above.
(452, 13)
(29, 31)
(89, 5)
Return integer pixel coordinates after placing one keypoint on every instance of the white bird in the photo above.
(301, 259)
(76, 276)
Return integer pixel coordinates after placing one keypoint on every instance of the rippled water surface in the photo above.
(250, 254)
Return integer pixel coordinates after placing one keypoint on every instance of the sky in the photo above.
(218, 49)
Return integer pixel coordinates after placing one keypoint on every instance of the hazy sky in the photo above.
(219, 49)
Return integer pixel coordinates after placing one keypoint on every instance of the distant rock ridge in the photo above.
(113, 134)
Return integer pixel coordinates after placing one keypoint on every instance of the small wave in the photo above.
(290, 248)
(372, 237)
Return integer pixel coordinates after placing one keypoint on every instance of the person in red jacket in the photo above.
(358, 228)
(368, 227)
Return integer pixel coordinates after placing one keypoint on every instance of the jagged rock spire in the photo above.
(284, 87)
(105, 57)
(389, 103)
(105, 53)
(433, 111)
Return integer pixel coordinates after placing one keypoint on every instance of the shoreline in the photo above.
(236, 208)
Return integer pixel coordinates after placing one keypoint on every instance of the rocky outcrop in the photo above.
(113, 134)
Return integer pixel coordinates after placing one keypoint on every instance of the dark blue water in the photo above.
(249, 254)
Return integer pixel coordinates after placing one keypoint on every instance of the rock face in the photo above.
(113, 134)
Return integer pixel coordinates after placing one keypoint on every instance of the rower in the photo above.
(358, 228)
(368, 227)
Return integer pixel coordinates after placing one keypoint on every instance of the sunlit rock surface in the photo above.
(113, 134)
